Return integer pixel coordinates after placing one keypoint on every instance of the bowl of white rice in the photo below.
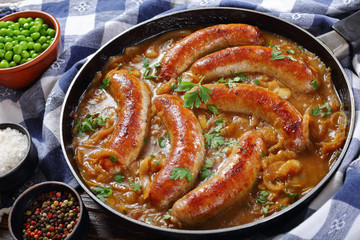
(18, 156)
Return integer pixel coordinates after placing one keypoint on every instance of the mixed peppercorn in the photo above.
(52, 216)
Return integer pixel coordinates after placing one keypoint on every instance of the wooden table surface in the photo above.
(102, 224)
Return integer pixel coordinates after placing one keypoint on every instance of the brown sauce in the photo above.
(285, 176)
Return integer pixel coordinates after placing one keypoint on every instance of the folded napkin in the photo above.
(87, 25)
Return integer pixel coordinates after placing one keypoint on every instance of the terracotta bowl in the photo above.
(25, 168)
(25, 74)
(27, 198)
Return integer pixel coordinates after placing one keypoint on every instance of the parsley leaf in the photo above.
(213, 137)
(282, 207)
(119, 178)
(194, 98)
(162, 142)
(213, 109)
(180, 173)
(105, 83)
(314, 84)
(102, 192)
(292, 195)
(322, 110)
(90, 123)
(113, 159)
(263, 197)
(136, 186)
(148, 69)
(205, 171)
(276, 54)
(167, 216)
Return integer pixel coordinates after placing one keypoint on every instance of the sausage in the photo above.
(133, 98)
(294, 74)
(203, 42)
(266, 105)
(231, 183)
(187, 150)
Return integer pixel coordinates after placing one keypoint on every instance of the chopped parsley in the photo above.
(281, 207)
(119, 178)
(147, 68)
(213, 137)
(262, 154)
(322, 110)
(256, 81)
(105, 83)
(167, 216)
(232, 82)
(314, 84)
(180, 173)
(292, 195)
(213, 109)
(136, 186)
(205, 171)
(276, 54)
(91, 123)
(162, 141)
(263, 197)
(102, 192)
(113, 159)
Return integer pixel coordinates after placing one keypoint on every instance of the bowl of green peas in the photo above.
(29, 44)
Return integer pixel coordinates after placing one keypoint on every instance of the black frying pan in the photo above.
(195, 18)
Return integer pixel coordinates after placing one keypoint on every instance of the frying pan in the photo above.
(195, 18)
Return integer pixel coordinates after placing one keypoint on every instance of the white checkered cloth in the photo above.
(87, 25)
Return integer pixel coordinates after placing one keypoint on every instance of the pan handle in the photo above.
(345, 37)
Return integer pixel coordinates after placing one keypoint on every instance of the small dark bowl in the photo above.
(23, 202)
(24, 75)
(25, 168)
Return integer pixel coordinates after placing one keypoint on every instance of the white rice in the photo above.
(13, 146)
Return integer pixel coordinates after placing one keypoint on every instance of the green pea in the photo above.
(2, 45)
(9, 55)
(28, 39)
(30, 45)
(8, 46)
(44, 46)
(25, 32)
(34, 55)
(26, 26)
(42, 32)
(21, 38)
(17, 58)
(8, 39)
(16, 26)
(45, 26)
(37, 47)
(17, 49)
(14, 42)
(2, 53)
(12, 64)
(9, 23)
(40, 20)
(24, 45)
(1, 39)
(16, 32)
(25, 54)
(34, 29)
(3, 32)
(9, 32)
(51, 32)
(22, 21)
(29, 19)
(42, 40)
(23, 60)
(2, 24)
(35, 36)
(4, 64)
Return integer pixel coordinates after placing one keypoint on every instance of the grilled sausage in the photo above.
(291, 72)
(186, 151)
(203, 42)
(231, 183)
(133, 98)
(265, 104)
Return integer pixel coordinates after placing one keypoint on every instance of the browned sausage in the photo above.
(265, 104)
(231, 183)
(186, 151)
(133, 98)
(203, 42)
(294, 74)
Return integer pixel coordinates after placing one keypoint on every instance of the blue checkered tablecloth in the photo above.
(87, 24)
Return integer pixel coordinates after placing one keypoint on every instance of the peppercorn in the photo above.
(52, 216)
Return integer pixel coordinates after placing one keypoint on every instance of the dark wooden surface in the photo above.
(102, 225)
